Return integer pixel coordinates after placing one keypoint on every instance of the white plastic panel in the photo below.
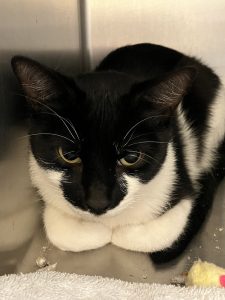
(196, 27)
(45, 30)
(39, 25)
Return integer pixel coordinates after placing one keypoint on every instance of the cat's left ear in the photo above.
(38, 82)
(166, 94)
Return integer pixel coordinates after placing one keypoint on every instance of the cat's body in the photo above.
(148, 129)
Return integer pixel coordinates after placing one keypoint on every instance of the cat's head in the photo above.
(94, 136)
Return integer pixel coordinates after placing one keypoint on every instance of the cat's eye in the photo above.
(131, 159)
(70, 157)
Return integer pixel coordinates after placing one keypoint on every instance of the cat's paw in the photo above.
(157, 234)
(128, 237)
(70, 234)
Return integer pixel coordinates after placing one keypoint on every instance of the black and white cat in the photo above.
(128, 154)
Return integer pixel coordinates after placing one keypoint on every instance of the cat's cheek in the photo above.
(71, 234)
(131, 185)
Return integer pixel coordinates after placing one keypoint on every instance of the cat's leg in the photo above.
(71, 234)
(202, 205)
(157, 234)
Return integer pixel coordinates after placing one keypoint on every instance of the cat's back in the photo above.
(147, 61)
(141, 60)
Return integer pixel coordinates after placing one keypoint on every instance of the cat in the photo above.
(130, 153)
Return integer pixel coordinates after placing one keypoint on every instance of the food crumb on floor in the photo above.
(48, 268)
(178, 280)
(41, 262)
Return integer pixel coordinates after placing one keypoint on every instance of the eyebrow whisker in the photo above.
(47, 133)
(64, 120)
(141, 121)
(143, 142)
(132, 151)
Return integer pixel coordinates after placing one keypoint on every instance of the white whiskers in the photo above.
(145, 142)
(47, 133)
(141, 121)
(45, 162)
(64, 120)
(149, 156)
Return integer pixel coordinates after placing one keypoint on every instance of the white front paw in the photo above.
(71, 234)
(127, 237)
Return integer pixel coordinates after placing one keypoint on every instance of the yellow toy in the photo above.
(205, 274)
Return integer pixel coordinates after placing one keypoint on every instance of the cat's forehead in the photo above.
(110, 83)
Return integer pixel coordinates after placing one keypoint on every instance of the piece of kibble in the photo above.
(178, 280)
(48, 268)
(41, 262)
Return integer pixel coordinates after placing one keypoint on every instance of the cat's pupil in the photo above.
(70, 155)
(132, 158)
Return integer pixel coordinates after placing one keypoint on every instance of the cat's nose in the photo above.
(97, 201)
(97, 205)
(98, 210)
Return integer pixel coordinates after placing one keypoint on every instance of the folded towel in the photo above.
(54, 285)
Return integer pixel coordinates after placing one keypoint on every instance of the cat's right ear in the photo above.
(38, 82)
(165, 94)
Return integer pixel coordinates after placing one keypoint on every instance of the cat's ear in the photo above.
(168, 92)
(38, 82)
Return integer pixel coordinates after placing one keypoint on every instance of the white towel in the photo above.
(54, 285)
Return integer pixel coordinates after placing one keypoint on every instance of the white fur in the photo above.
(189, 145)
(215, 133)
(73, 234)
(156, 234)
(54, 177)
(212, 139)
(48, 183)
